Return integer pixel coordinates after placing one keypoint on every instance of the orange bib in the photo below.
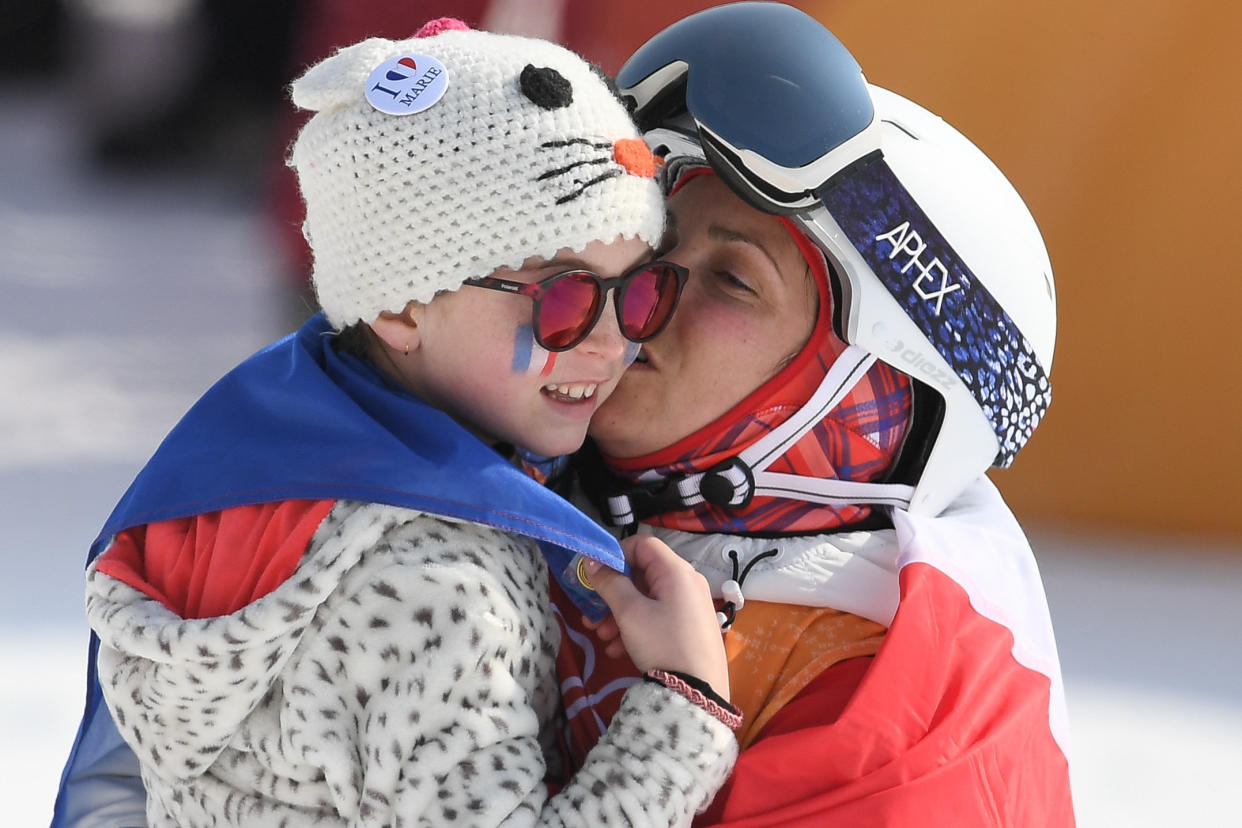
(775, 650)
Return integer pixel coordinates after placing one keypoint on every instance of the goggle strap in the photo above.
(969, 329)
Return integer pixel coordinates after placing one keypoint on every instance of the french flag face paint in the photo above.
(631, 352)
(529, 357)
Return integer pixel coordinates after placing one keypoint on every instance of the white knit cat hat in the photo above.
(504, 148)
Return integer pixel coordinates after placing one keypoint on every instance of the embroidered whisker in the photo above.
(573, 166)
(569, 142)
(604, 177)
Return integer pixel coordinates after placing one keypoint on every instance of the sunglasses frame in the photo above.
(536, 291)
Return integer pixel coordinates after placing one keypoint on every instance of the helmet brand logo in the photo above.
(908, 241)
(915, 361)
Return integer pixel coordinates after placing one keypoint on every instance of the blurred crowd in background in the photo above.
(176, 84)
(155, 82)
(202, 84)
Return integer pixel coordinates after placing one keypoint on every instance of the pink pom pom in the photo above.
(441, 24)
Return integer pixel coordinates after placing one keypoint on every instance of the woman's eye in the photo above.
(732, 282)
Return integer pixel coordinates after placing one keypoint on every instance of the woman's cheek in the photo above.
(721, 325)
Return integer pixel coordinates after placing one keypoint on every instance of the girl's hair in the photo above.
(355, 340)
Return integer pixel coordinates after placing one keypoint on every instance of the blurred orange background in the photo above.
(1121, 124)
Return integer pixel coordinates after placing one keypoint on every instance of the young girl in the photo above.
(324, 602)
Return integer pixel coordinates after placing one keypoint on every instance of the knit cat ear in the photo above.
(340, 80)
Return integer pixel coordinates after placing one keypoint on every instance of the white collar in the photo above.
(851, 571)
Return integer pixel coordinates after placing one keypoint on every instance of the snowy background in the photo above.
(123, 296)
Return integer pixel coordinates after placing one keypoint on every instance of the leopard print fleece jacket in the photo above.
(401, 676)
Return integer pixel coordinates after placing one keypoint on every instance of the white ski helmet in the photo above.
(938, 267)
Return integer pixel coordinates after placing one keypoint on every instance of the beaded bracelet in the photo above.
(701, 695)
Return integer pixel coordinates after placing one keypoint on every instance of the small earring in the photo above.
(407, 349)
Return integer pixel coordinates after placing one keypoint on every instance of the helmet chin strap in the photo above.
(734, 482)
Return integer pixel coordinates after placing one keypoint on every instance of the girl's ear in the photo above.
(400, 331)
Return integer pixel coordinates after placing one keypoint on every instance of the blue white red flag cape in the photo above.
(299, 421)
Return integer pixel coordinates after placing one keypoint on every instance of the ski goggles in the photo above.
(568, 305)
(778, 104)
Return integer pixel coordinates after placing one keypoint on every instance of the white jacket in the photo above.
(403, 675)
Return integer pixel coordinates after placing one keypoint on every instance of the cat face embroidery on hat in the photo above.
(407, 84)
(456, 153)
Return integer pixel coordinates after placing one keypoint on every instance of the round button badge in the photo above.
(407, 84)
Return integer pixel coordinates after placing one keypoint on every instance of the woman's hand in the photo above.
(665, 616)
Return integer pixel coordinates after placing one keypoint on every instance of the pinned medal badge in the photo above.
(407, 84)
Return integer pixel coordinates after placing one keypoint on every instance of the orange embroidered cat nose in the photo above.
(634, 155)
